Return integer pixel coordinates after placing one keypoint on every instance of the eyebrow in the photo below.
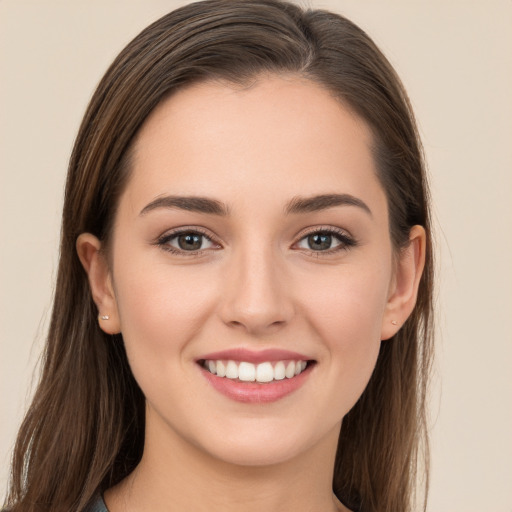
(296, 205)
(321, 202)
(189, 203)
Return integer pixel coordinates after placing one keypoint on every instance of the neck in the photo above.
(176, 475)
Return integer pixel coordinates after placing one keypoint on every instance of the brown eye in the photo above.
(182, 242)
(326, 241)
(320, 241)
(190, 241)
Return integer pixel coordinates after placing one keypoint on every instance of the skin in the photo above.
(259, 284)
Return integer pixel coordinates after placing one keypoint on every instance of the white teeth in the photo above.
(290, 370)
(221, 368)
(279, 371)
(232, 370)
(264, 372)
(249, 372)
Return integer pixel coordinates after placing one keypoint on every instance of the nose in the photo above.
(256, 293)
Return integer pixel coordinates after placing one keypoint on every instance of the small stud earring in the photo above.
(394, 322)
(104, 317)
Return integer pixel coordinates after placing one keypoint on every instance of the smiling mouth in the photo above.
(262, 373)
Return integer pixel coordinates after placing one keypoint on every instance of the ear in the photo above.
(404, 287)
(100, 282)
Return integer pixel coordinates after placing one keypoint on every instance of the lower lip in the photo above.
(255, 392)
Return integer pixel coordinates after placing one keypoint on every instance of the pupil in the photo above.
(320, 241)
(189, 242)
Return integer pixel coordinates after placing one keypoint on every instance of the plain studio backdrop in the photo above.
(455, 59)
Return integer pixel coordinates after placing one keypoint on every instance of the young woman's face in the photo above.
(252, 237)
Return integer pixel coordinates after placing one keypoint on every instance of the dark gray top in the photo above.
(97, 505)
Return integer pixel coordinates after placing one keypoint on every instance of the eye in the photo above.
(186, 241)
(326, 240)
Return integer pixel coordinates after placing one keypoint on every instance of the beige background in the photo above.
(455, 58)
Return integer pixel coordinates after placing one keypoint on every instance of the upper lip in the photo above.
(254, 356)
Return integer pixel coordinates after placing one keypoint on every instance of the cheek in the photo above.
(160, 308)
(347, 306)
(345, 311)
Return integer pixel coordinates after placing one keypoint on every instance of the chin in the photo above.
(267, 444)
(254, 455)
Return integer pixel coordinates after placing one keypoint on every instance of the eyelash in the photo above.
(164, 240)
(345, 241)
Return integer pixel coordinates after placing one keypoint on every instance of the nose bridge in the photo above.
(256, 296)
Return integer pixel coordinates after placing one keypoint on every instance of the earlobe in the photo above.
(100, 281)
(409, 269)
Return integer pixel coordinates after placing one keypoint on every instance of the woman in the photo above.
(242, 315)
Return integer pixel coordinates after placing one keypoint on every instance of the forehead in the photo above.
(284, 133)
(287, 107)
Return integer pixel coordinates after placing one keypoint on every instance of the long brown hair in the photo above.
(84, 431)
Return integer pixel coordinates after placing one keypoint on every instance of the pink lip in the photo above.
(261, 356)
(255, 392)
